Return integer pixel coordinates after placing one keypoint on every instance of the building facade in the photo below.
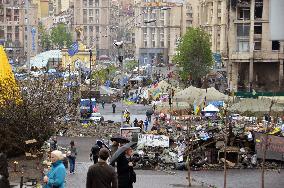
(158, 31)
(255, 61)
(93, 17)
(18, 29)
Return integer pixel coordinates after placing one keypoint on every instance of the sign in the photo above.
(153, 140)
(33, 31)
(275, 146)
(131, 133)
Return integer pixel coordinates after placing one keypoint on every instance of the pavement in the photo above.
(237, 178)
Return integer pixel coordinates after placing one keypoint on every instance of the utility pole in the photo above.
(90, 85)
(27, 24)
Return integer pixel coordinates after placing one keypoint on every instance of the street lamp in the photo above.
(90, 84)
(119, 46)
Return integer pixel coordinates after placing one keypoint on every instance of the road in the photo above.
(152, 179)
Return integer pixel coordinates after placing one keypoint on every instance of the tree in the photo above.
(130, 65)
(60, 36)
(102, 75)
(45, 39)
(194, 55)
(43, 107)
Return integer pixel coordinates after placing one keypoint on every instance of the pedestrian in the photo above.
(140, 124)
(53, 143)
(72, 154)
(103, 104)
(135, 122)
(56, 176)
(102, 175)
(146, 123)
(113, 108)
(148, 115)
(113, 147)
(95, 153)
(125, 172)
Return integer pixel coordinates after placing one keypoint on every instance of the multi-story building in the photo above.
(93, 16)
(159, 28)
(255, 61)
(240, 32)
(18, 29)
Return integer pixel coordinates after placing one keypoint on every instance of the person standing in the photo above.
(135, 122)
(125, 172)
(72, 157)
(101, 175)
(95, 153)
(56, 176)
(53, 143)
(103, 104)
(113, 147)
(113, 108)
(146, 123)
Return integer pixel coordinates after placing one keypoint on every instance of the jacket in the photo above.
(56, 176)
(73, 151)
(101, 175)
(124, 172)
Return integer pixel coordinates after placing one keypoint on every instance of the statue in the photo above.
(79, 33)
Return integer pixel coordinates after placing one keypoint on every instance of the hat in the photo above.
(104, 154)
(58, 154)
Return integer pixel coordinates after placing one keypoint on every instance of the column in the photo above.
(251, 70)
(280, 72)
(214, 25)
(223, 38)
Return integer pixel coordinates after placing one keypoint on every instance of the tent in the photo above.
(210, 108)
(211, 94)
(189, 94)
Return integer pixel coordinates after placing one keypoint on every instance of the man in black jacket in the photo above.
(95, 153)
(125, 172)
(101, 175)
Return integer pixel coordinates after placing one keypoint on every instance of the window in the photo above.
(275, 45)
(97, 3)
(90, 3)
(258, 28)
(162, 15)
(258, 9)
(243, 30)
(257, 45)
(91, 19)
(91, 28)
(244, 13)
(145, 44)
(91, 12)
(97, 29)
(153, 44)
(243, 45)
(153, 31)
(97, 12)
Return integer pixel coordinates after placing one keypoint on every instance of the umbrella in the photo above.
(121, 150)
(120, 139)
(100, 143)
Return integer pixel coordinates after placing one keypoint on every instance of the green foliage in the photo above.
(194, 54)
(130, 65)
(60, 36)
(102, 75)
(45, 39)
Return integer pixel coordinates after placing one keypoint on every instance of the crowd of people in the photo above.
(118, 174)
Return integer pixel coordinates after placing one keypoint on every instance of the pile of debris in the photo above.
(102, 130)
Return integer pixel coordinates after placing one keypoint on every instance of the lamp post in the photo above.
(119, 46)
(90, 85)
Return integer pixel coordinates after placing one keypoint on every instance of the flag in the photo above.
(73, 49)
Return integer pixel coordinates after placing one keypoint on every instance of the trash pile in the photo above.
(103, 130)
(202, 140)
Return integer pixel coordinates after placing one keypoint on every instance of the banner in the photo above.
(153, 140)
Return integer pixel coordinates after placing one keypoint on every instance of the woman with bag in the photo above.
(56, 176)
(72, 153)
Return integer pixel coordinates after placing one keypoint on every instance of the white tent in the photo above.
(210, 108)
